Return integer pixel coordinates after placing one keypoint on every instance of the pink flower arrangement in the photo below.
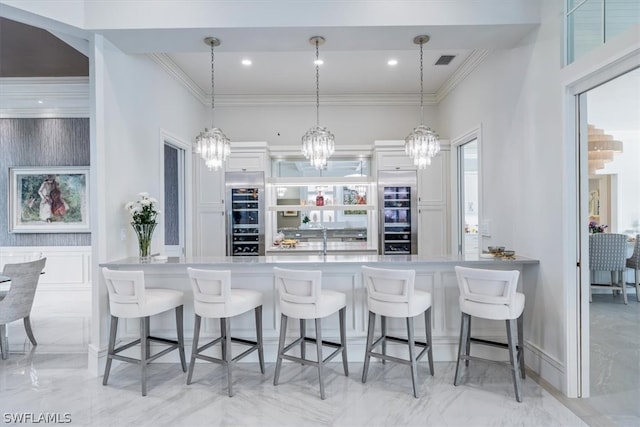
(594, 227)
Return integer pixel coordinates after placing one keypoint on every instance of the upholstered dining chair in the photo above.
(17, 302)
(608, 252)
(634, 263)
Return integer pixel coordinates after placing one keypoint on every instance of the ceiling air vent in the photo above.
(445, 59)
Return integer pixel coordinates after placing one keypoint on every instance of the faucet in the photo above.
(324, 241)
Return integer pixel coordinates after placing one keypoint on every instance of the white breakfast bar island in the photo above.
(340, 273)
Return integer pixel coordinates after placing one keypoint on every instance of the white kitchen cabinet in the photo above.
(210, 239)
(209, 185)
(433, 181)
(247, 162)
(208, 212)
(388, 160)
(433, 231)
(249, 157)
(434, 209)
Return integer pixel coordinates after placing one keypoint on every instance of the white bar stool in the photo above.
(214, 298)
(302, 297)
(129, 299)
(392, 293)
(491, 294)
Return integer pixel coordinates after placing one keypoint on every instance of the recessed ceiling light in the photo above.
(392, 62)
(246, 62)
(40, 101)
(318, 62)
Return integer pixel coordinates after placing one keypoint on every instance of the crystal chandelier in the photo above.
(213, 144)
(422, 144)
(318, 142)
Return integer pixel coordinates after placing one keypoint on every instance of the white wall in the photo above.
(516, 95)
(351, 125)
(133, 100)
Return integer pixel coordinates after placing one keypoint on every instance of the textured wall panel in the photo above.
(171, 197)
(40, 142)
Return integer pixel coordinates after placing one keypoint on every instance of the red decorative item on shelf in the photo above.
(319, 199)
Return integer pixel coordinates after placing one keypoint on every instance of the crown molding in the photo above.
(308, 99)
(471, 63)
(46, 97)
(168, 65)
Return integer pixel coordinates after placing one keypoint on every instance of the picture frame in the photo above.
(289, 213)
(52, 199)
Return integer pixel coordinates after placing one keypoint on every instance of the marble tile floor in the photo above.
(615, 359)
(58, 384)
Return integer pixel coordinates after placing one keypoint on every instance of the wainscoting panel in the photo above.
(61, 312)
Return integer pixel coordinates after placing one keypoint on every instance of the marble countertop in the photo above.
(358, 259)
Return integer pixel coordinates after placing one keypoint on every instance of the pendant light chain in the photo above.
(213, 80)
(421, 87)
(317, 85)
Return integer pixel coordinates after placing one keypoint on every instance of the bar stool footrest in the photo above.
(172, 346)
(253, 347)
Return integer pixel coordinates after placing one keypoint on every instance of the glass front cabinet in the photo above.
(304, 213)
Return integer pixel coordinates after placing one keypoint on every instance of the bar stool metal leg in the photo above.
(4, 344)
(283, 334)
(320, 359)
(463, 339)
(223, 342)
(227, 356)
(112, 342)
(412, 356)
(521, 345)
(367, 354)
(180, 327)
(144, 352)
(147, 333)
(194, 347)
(258, 313)
(427, 328)
(343, 340)
(513, 357)
(383, 328)
(303, 332)
(468, 353)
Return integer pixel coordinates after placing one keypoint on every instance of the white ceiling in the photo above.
(355, 58)
(361, 36)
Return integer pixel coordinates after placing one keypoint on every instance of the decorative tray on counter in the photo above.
(286, 243)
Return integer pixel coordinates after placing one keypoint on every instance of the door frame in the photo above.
(165, 137)
(456, 143)
(582, 76)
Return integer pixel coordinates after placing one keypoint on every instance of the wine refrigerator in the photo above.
(245, 213)
(397, 198)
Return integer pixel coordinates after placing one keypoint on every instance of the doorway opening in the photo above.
(609, 177)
